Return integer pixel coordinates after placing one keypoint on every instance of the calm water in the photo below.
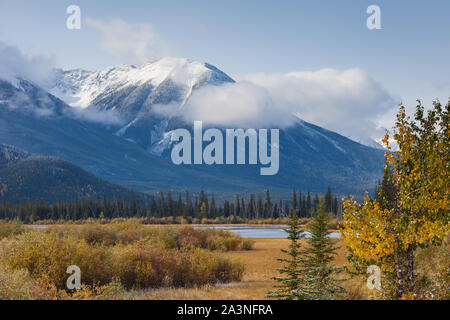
(260, 231)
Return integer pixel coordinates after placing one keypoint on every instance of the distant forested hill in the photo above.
(24, 176)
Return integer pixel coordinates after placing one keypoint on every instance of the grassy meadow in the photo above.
(129, 260)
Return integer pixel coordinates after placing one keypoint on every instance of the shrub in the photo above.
(111, 291)
(128, 253)
(42, 254)
(46, 255)
(247, 244)
(95, 262)
(15, 284)
(142, 265)
(232, 243)
(96, 234)
(10, 228)
(139, 265)
(190, 236)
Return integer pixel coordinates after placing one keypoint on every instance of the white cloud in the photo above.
(106, 117)
(31, 66)
(132, 44)
(241, 104)
(348, 102)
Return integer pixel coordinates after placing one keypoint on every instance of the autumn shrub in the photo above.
(46, 255)
(215, 243)
(140, 265)
(125, 253)
(96, 234)
(201, 267)
(95, 262)
(15, 284)
(197, 267)
(143, 265)
(247, 244)
(228, 270)
(19, 285)
(128, 231)
(10, 228)
(111, 291)
(42, 254)
(232, 243)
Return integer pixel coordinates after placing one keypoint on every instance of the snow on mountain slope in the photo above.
(81, 88)
(132, 92)
(135, 93)
(368, 141)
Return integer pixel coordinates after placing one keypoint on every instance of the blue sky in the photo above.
(409, 56)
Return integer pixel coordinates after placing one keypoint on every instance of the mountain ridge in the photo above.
(28, 177)
(310, 157)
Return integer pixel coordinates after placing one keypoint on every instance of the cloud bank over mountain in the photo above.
(31, 66)
(348, 101)
(240, 104)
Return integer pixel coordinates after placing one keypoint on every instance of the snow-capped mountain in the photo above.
(35, 120)
(370, 142)
(81, 88)
(132, 92)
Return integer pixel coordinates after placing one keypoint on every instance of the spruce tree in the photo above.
(287, 289)
(319, 281)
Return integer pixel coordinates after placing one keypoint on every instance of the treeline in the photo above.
(162, 205)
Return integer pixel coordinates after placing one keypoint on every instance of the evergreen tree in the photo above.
(154, 207)
(213, 208)
(237, 206)
(226, 208)
(259, 207)
(294, 201)
(328, 200)
(268, 206)
(203, 211)
(244, 211)
(251, 207)
(303, 207)
(179, 209)
(287, 289)
(170, 210)
(308, 205)
(318, 275)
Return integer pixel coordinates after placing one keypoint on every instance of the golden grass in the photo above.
(260, 266)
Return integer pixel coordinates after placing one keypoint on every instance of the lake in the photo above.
(260, 231)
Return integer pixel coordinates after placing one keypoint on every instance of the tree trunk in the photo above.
(399, 272)
(410, 257)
